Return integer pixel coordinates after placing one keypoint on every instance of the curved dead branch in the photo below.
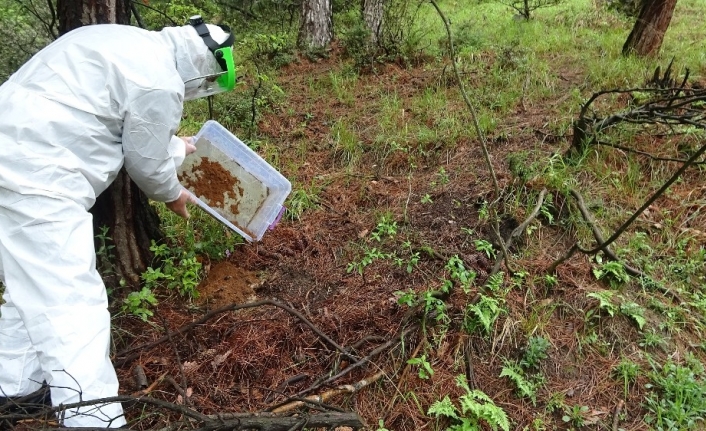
(518, 231)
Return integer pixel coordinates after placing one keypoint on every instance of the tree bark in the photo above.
(373, 15)
(77, 13)
(646, 36)
(316, 30)
(132, 223)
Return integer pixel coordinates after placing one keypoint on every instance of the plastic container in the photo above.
(233, 183)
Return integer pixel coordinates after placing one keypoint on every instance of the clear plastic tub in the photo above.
(233, 183)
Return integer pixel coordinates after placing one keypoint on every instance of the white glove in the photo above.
(179, 148)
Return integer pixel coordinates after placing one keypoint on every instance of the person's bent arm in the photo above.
(147, 131)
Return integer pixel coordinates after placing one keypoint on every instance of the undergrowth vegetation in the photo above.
(628, 328)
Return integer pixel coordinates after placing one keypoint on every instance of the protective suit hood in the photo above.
(193, 58)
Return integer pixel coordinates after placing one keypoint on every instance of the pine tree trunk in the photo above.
(132, 222)
(646, 36)
(316, 30)
(76, 13)
(373, 16)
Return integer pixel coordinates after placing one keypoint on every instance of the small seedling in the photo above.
(425, 370)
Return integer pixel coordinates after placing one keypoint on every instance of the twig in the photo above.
(151, 387)
(472, 110)
(184, 383)
(644, 153)
(649, 201)
(616, 415)
(282, 386)
(360, 363)
(345, 389)
(602, 246)
(597, 233)
(518, 231)
(260, 421)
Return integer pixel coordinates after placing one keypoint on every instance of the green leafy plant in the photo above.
(301, 200)
(613, 272)
(550, 280)
(386, 227)
(413, 260)
(677, 398)
(424, 370)
(652, 339)
(627, 371)
(605, 302)
(575, 415)
(369, 256)
(104, 252)
(482, 314)
(408, 298)
(485, 247)
(495, 281)
(443, 177)
(475, 409)
(381, 426)
(139, 303)
(181, 273)
(526, 387)
(535, 352)
(458, 273)
(635, 312)
(546, 209)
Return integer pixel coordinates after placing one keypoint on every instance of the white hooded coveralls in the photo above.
(99, 98)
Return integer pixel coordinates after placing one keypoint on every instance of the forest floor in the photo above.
(259, 357)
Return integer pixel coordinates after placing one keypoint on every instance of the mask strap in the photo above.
(197, 22)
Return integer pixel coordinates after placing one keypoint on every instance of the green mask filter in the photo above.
(227, 80)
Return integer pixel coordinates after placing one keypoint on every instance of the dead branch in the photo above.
(222, 422)
(151, 387)
(644, 153)
(667, 106)
(598, 235)
(261, 422)
(616, 415)
(471, 109)
(360, 363)
(518, 231)
(345, 389)
(282, 386)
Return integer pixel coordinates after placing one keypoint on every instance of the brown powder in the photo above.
(214, 184)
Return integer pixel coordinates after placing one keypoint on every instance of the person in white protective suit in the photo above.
(98, 98)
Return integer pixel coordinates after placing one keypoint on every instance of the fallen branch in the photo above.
(345, 389)
(597, 233)
(616, 415)
(258, 421)
(358, 364)
(151, 387)
(518, 231)
(604, 244)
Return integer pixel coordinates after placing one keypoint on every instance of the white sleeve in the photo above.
(148, 131)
